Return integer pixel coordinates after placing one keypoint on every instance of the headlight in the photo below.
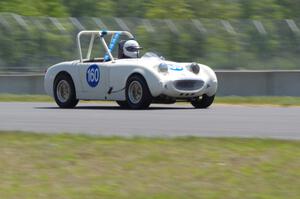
(163, 67)
(195, 68)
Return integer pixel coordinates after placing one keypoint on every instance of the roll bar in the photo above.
(101, 34)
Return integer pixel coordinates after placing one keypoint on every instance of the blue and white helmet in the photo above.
(131, 49)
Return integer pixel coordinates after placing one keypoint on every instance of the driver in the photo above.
(131, 49)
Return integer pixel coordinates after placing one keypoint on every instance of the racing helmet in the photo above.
(131, 49)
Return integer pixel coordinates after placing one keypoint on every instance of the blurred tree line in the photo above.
(156, 9)
(247, 45)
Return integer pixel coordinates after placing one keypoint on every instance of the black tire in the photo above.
(203, 102)
(145, 98)
(70, 100)
(122, 104)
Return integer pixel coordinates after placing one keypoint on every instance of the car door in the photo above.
(94, 80)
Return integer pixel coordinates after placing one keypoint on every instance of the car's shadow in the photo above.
(117, 108)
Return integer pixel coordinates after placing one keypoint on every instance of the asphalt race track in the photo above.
(159, 120)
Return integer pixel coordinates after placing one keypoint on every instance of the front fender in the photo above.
(212, 80)
(153, 81)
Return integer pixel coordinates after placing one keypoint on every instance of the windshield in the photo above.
(152, 55)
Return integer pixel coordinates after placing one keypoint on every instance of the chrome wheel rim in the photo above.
(135, 92)
(63, 91)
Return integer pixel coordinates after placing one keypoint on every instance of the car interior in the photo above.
(101, 59)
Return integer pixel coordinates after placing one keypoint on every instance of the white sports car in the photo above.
(131, 81)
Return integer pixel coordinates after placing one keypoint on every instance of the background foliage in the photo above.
(179, 9)
(38, 43)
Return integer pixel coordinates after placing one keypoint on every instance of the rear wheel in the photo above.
(137, 93)
(64, 91)
(203, 102)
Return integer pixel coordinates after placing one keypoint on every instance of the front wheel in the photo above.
(137, 93)
(64, 91)
(203, 102)
(122, 104)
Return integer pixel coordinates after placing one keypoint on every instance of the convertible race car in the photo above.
(132, 81)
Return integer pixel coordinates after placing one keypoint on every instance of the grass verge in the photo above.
(83, 167)
(264, 100)
(281, 101)
(24, 98)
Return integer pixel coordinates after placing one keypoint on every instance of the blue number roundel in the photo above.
(93, 75)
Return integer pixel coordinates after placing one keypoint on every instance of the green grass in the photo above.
(24, 98)
(281, 101)
(82, 167)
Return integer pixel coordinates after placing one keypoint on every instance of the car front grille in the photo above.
(188, 85)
